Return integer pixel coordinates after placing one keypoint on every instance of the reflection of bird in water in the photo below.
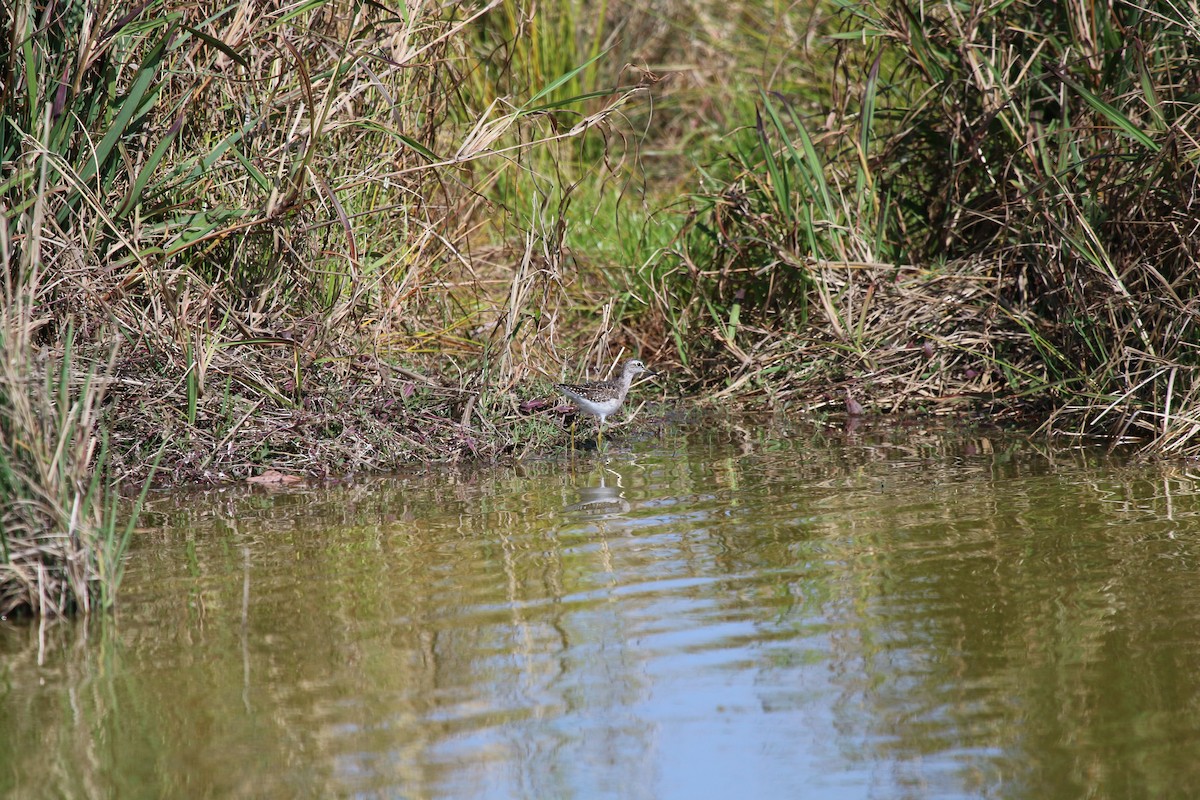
(599, 500)
(602, 499)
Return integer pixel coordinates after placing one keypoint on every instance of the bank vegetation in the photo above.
(339, 236)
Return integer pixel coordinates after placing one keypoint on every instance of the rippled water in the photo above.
(777, 611)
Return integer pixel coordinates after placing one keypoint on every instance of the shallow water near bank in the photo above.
(766, 610)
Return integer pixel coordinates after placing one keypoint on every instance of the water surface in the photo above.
(776, 610)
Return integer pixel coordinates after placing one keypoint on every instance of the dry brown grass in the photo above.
(301, 267)
(60, 544)
(1037, 162)
(282, 223)
(898, 339)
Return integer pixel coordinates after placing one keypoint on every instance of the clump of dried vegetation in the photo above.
(991, 206)
(60, 542)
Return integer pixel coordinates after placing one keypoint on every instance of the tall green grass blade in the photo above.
(260, 180)
(134, 196)
(142, 83)
(565, 78)
(779, 182)
(193, 381)
(574, 100)
(867, 115)
(1111, 113)
(810, 166)
(429, 155)
(297, 11)
(866, 128)
(1149, 93)
(116, 548)
(216, 43)
(32, 64)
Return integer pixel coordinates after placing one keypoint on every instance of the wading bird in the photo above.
(601, 399)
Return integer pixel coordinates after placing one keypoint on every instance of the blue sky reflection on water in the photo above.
(933, 614)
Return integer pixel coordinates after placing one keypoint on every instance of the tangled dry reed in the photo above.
(1038, 162)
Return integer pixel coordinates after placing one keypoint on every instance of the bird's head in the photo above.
(635, 367)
